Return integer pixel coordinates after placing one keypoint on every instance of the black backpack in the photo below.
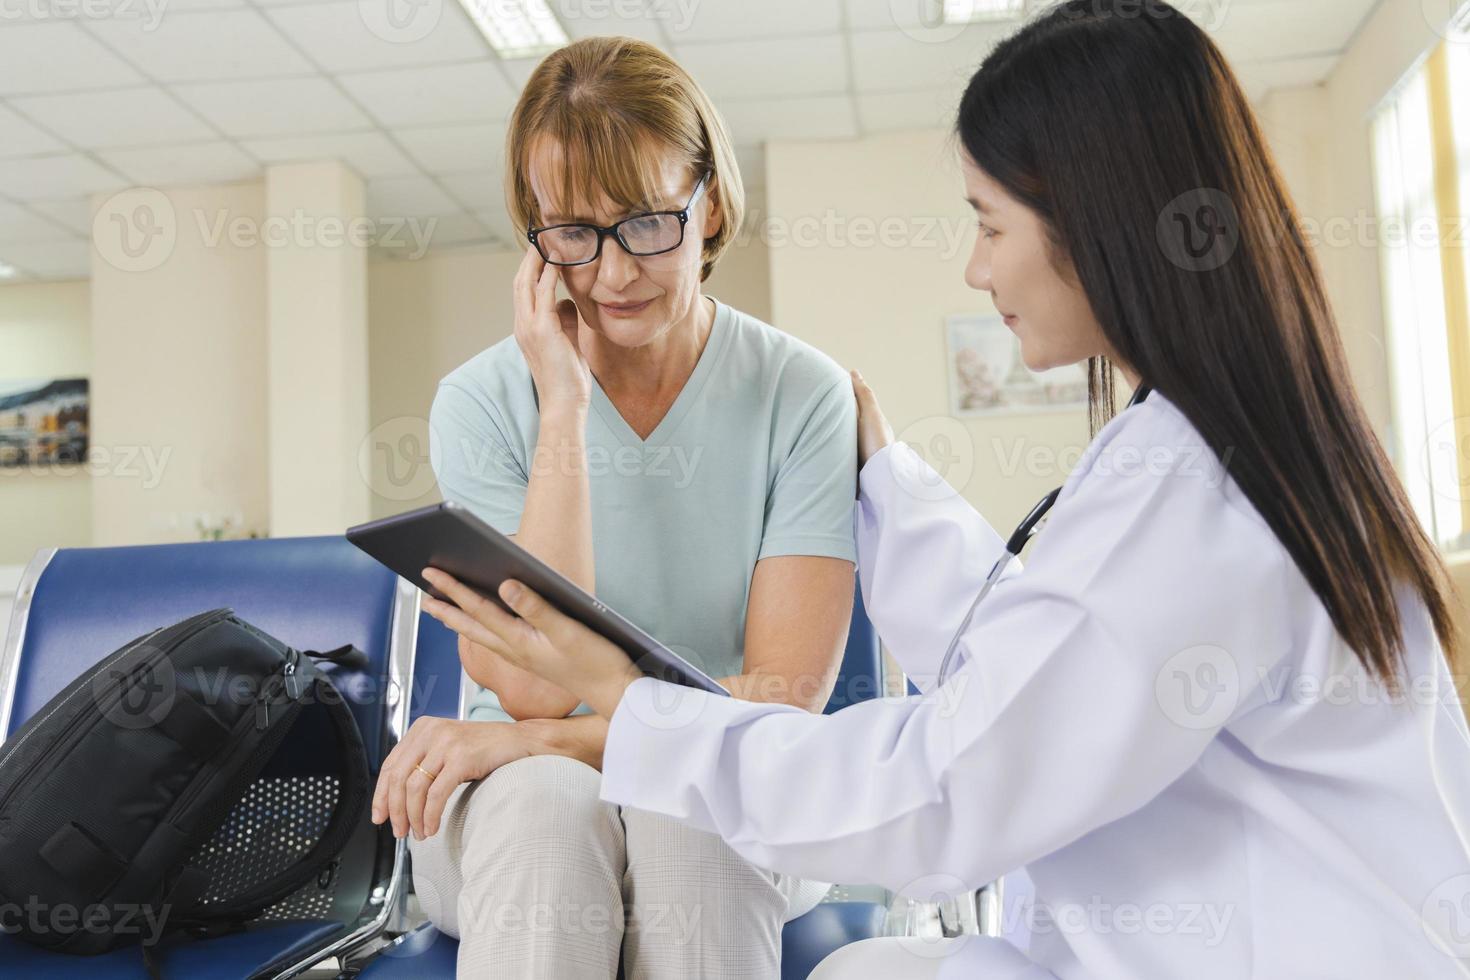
(130, 804)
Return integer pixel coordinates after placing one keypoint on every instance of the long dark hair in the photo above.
(1121, 125)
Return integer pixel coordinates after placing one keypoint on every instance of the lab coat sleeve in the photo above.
(1076, 707)
(923, 553)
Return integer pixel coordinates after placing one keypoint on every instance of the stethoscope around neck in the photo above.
(1017, 542)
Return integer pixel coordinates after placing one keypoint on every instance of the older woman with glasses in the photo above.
(694, 468)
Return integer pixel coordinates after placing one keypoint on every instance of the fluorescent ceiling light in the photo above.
(517, 28)
(970, 11)
(8, 271)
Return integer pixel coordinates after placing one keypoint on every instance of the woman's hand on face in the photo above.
(536, 638)
(874, 432)
(434, 757)
(546, 331)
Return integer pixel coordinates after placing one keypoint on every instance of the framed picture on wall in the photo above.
(988, 377)
(43, 422)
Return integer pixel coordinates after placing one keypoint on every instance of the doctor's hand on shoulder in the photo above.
(874, 432)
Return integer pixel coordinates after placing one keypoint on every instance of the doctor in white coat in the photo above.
(1213, 716)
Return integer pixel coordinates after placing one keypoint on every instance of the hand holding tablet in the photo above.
(538, 638)
(558, 632)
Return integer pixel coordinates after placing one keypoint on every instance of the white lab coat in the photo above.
(1155, 718)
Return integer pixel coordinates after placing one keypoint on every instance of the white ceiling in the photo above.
(168, 92)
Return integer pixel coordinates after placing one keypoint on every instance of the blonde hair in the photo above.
(616, 107)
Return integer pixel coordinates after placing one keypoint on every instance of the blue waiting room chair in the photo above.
(76, 605)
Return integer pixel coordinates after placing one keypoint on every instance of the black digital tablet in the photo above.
(448, 536)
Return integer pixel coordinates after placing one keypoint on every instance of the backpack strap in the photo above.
(347, 656)
(186, 891)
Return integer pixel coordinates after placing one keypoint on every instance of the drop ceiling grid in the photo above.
(818, 69)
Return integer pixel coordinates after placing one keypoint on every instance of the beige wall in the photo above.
(180, 390)
(425, 317)
(893, 236)
(45, 332)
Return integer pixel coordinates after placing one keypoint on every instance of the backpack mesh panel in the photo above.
(276, 824)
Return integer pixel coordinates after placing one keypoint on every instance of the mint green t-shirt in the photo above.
(757, 457)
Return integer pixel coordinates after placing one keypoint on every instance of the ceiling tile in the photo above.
(787, 66)
(691, 20)
(433, 95)
(519, 70)
(1260, 77)
(19, 137)
(1301, 28)
(477, 191)
(811, 118)
(57, 57)
(58, 176)
(882, 15)
(370, 154)
(18, 224)
(53, 260)
(402, 196)
(198, 163)
(926, 109)
(621, 19)
(455, 229)
(116, 117)
(897, 61)
(456, 149)
(275, 107)
(205, 46)
(178, 5)
(357, 36)
(75, 214)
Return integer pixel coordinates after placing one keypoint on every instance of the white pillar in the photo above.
(178, 388)
(317, 350)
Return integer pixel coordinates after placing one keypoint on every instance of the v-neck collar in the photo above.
(714, 349)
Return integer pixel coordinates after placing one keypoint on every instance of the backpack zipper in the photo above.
(291, 684)
(196, 786)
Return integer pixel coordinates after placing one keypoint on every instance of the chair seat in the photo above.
(237, 956)
(314, 593)
(428, 954)
(423, 954)
(811, 938)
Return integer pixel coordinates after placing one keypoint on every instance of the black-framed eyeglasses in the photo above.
(649, 233)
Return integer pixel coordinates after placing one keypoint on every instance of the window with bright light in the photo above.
(1421, 149)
